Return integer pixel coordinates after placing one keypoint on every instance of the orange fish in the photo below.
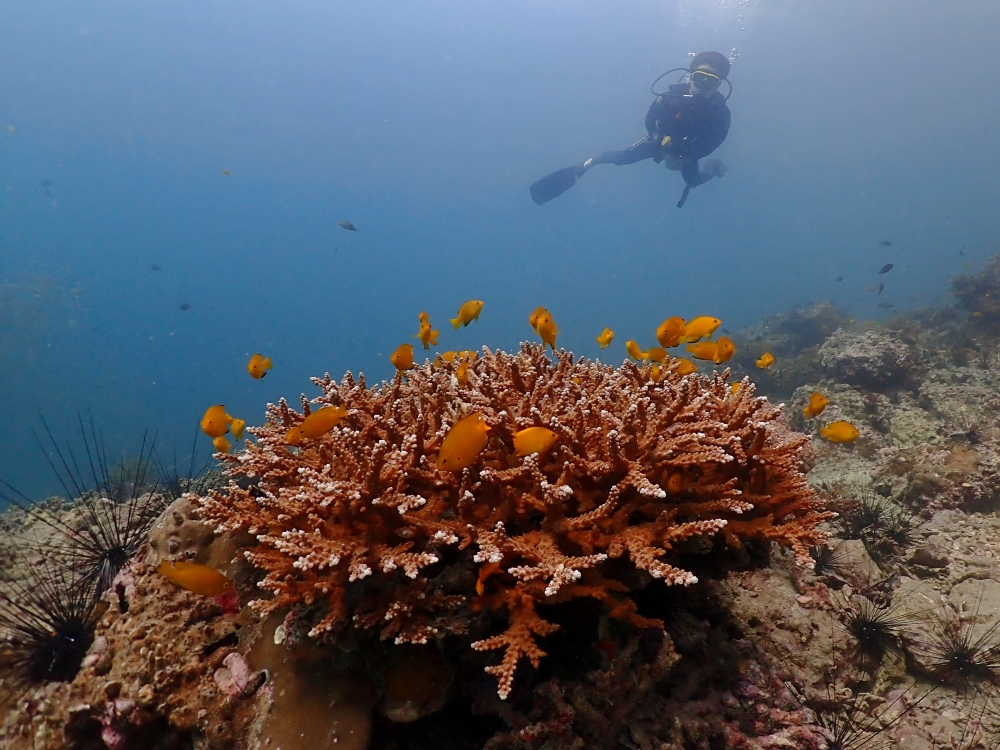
(701, 327)
(402, 358)
(258, 366)
(423, 317)
(546, 328)
(534, 440)
(428, 336)
(765, 361)
(485, 572)
(606, 337)
(222, 445)
(322, 421)
(533, 318)
(462, 373)
(238, 426)
(656, 373)
(193, 577)
(670, 332)
(724, 350)
(464, 442)
(468, 312)
(635, 352)
(294, 435)
(703, 350)
(216, 422)
(449, 356)
(675, 483)
(817, 403)
(656, 354)
(735, 388)
(839, 432)
(683, 366)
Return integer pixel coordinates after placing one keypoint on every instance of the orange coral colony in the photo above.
(360, 527)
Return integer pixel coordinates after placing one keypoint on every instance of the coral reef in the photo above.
(149, 676)
(361, 527)
(792, 338)
(870, 360)
(788, 334)
(180, 534)
(980, 293)
(382, 589)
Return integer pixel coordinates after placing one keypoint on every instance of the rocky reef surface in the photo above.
(889, 640)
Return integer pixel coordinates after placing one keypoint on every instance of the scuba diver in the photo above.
(685, 123)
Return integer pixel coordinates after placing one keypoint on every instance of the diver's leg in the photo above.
(557, 183)
(700, 173)
(696, 174)
(644, 149)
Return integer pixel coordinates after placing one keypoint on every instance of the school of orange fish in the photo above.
(468, 436)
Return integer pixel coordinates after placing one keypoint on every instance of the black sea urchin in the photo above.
(47, 620)
(884, 527)
(174, 482)
(860, 513)
(964, 656)
(900, 526)
(891, 535)
(830, 561)
(114, 511)
(874, 628)
(857, 725)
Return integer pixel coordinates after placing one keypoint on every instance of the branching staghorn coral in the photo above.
(359, 525)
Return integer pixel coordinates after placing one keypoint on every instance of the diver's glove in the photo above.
(710, 168)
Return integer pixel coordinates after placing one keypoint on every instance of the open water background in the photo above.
(423, 124)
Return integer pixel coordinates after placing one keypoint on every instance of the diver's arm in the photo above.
(660, 111)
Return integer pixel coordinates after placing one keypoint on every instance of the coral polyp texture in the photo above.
(359, 526)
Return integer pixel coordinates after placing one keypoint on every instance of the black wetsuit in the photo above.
(696, 125)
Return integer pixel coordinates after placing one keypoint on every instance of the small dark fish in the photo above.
(185, 306)
(886, 305)
(886, 268)
(725, 330)
(880, 288)
(840, 278)
(47, 184)
(885, 243)
(154, 267)
(348, 226)
(961, 252)
(226, 172)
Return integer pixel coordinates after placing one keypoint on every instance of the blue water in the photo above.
(423, 124)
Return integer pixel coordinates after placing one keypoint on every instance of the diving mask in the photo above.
(705, 80)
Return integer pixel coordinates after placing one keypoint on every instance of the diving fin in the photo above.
(684, 196)
(555, 184)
